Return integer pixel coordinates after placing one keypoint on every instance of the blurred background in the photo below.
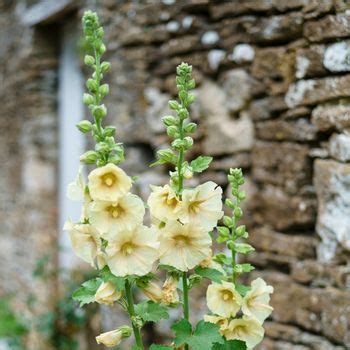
(273, 98)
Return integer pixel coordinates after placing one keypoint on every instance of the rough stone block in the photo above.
(309, 62)
(339, 147)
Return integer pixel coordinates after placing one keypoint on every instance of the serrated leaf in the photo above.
(209, 273)
(85, 294)
(150, 311)
(169, 268)
(242, 289)
(201, 163)
(205, 335)
(231, 345)
(159, 347)
(107, 275)
(193, 280)
(243, 248)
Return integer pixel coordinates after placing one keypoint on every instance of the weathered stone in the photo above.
(332, 116)
(282, 211)
(282, 164)
(337, 57)
(239, 160)
(339, 147)
(242, 53)
(282, 130)
(179, 46)
(266, 108)
(332, 183)
(309, 62)
(215, 57)
(329, 27)
(315, 8)
(312, 91)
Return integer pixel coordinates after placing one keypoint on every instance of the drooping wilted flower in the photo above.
(201, 205)
(170, 294)
(223, 299)
(114, 338)
(183, 246)
(153, 292)
(108, 183)
(113, 217)
(219, 320)
(133, 252)
(256, 301)
(107, 293)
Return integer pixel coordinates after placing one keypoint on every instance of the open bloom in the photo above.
(246, 329)
(107, 293)
(86, 243)
(183, 246)
(223, 299)
(222, 322)
(256, 301)
(163, 203)
(132, 252)
(114, 338)
(108, 183)
(201, 205)
(112, 217)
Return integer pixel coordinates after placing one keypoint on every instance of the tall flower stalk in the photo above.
(126, 254)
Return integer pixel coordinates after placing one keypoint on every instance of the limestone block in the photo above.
(339, 147)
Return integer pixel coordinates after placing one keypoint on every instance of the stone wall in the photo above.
(273, 98)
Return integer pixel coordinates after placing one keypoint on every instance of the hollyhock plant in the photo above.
(126, 254)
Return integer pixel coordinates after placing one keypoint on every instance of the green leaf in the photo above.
(201, 163)
(203, 338)
(231, 345)
(243, 248)
(107, 275)
(85, 294)
(11, 324)
(159, 347)
(209, 273)
(244, 268)
(165, 156)
(150, 311)
(169, 268)
(242, 289)
(193, 280)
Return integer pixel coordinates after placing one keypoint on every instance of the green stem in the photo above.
(181, 159)
(131, 310)
(234, 276)
(186, 309)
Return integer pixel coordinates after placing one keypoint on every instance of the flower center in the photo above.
(127, 248)
(109, 179)
(194, 207)
(169, 201)
(182, 240)
(116, 211)
(226, 295)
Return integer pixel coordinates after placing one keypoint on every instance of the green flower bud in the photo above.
(100, 32)
(101, 49)
(174, 105)
(88, 99)
(89, 157)
(241, 195)
(190, 128)
(229, 203)
(89, 60)
(179, 144)
(84, 126)
(183, 113)
(191, 84)
(169, 120)
(183, 94)
(110, 130)
(238, 212)
(104, 90)
(230, 245)
(92, 85)
(227, 221)
(188, 142)
(172, 130)
(105, 66)
(102, 147)
(187, 173)
(191, 98)
(240, 230)
(99, 111)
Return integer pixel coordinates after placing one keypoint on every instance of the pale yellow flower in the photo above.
(107, 293)
(183, 246)
(153, 292)
(133, 252)
(170, 294)
(163, 203)
(246, 329)
(114, 338)
(108, 183)
(223, 299)
(256, 301)
(208, 262)
(219, 320)
(202, 205)
(86, 243)
(112, 217)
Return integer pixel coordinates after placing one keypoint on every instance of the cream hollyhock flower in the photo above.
(208, 262)
(163, 203)
(223, 299)
(256, 301)
(153, 292)
(170, 294)
(108, 183)
(112, 217)
(113, 338)
(183, 246)
(201, 205)
(133, 252)
(246, 329)
(223, 322)
(107, 293)
(86, 243)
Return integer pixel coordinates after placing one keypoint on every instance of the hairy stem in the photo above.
(186, 309)
(131, 310)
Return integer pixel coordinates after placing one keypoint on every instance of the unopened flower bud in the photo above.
(110, 130)
(104, 90)
(105, 66)
(230, 245)
(171, 130)
(169, 120)
(91, 85)
(114, 338)
(102, 49)
(188, 142)
(190, 128)
(99, 111)
(240, 230)
(174, 105)
(229, 203)
(84, 126)
(88, 99)
(241, 195)
(227, 221)
(89, 60)
(183, 113)
(188, 174)
(107, 293)
(238, 212)
(89, 157)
